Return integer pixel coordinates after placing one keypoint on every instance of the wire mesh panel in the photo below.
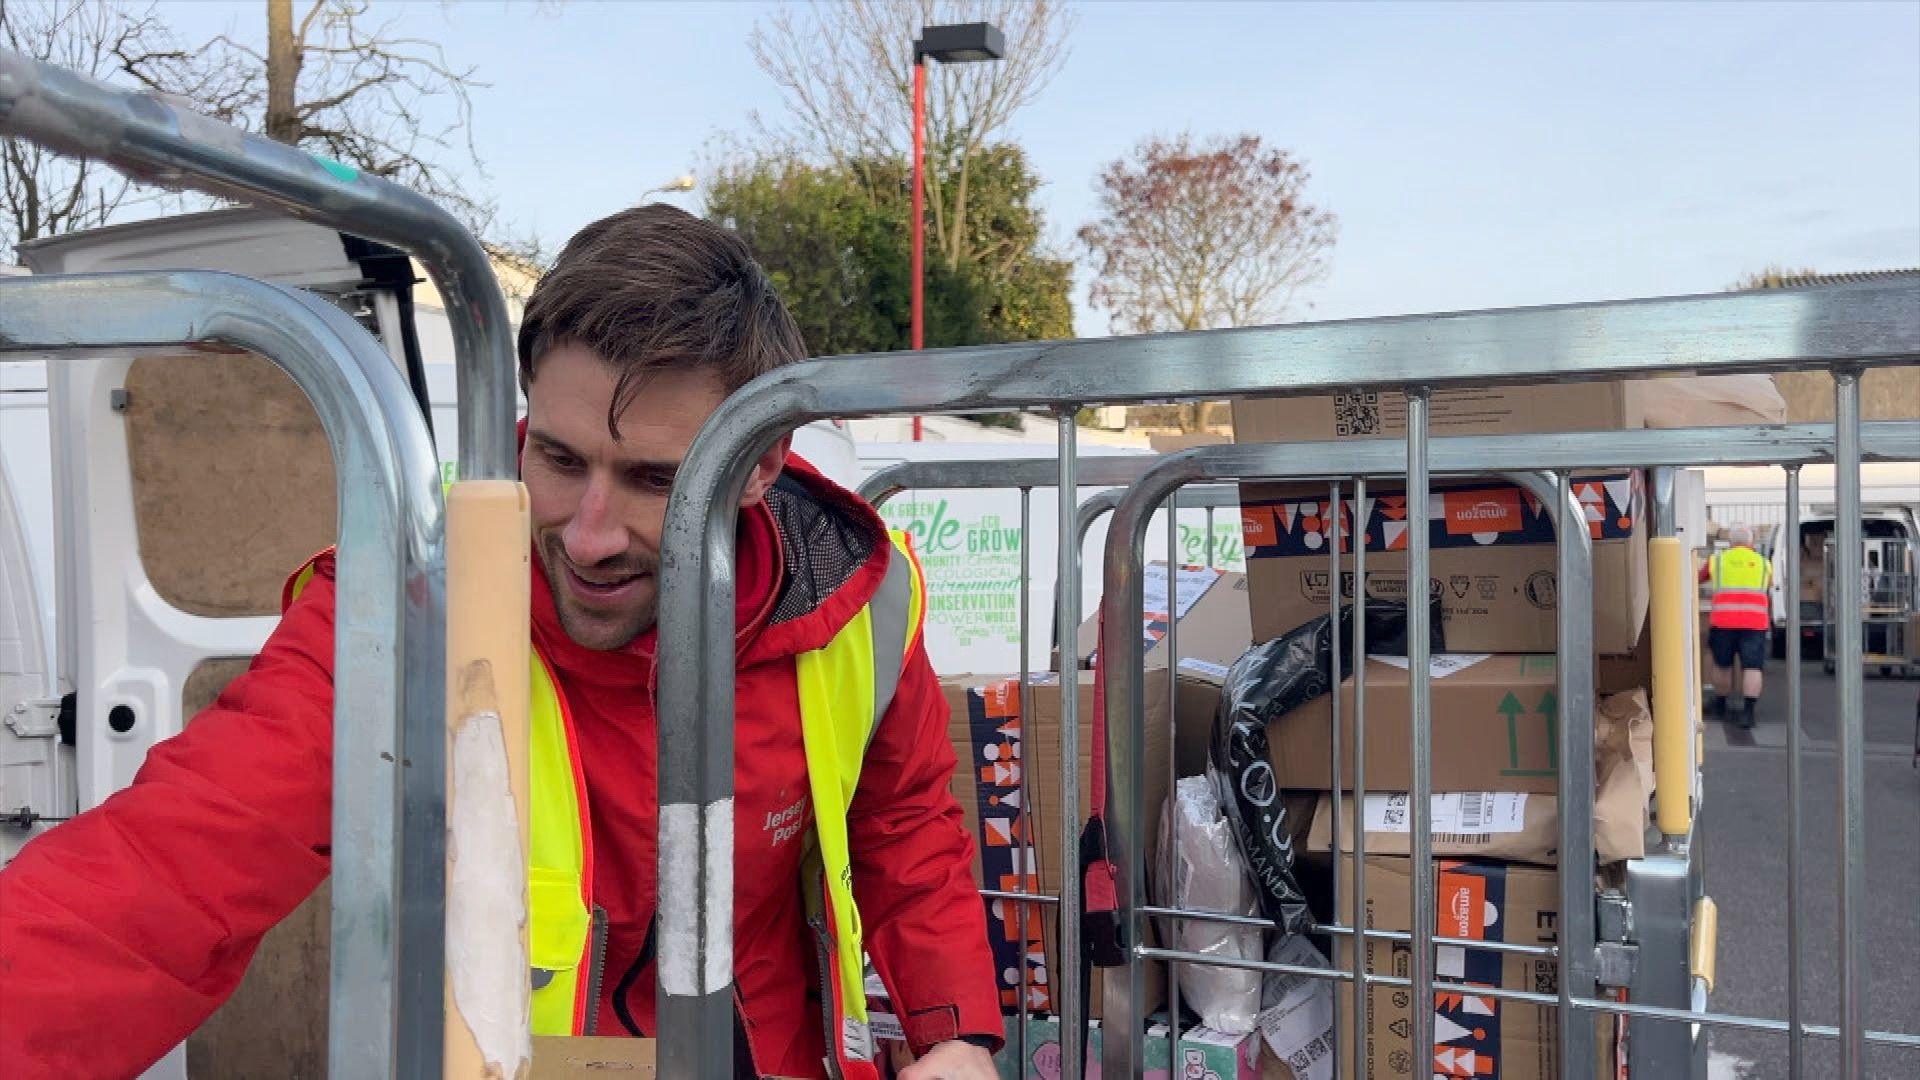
(1848, 326)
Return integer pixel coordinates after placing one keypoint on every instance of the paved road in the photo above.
(1746, 822)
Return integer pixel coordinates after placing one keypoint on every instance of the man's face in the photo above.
(599, 502)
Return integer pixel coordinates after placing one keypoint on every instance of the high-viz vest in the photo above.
(1740, 578)
(845, 687)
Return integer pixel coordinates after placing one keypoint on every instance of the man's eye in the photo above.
(565, 462)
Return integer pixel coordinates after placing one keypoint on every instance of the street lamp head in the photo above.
(960, 43)
(683, 182)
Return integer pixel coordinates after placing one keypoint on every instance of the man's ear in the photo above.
(766, 471)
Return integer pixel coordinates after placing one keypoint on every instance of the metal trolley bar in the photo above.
(1726, 446)
(1865, 324)
(156, 142)
(1851, 713)
(1188, 498)
(1025, 474)
(389, 643)
(1122, 1055)
(1101, 471)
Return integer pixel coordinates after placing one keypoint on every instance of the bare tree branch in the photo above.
(847, 72)
(42, 193)
(1198, 235)
(388, 104)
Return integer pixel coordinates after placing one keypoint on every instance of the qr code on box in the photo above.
(1356, 414)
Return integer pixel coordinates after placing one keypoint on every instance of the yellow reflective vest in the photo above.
(844, 688)
(1741, 577)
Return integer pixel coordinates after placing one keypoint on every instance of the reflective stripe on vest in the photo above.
(845, 689)
(559, 866)
(1740, 577)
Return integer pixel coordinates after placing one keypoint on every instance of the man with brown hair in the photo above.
(140, 916)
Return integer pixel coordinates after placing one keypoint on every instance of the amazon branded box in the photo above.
(1477, 1036)
(1016, 832)
(1494, 567)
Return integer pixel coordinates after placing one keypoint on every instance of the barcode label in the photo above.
(1439, 665)
(1356, 414)
(1473, 810)
(1298, 1027)
(1460, 817)
(1204, 667)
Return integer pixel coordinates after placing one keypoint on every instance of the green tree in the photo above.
(835, 240)
(825, 244)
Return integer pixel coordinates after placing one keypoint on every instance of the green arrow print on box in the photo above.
(1549, 709)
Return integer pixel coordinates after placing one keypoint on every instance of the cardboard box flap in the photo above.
(1476, 410)
(1215, 623)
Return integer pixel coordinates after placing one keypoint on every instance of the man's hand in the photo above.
(954, 1060)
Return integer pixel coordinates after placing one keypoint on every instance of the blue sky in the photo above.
(1477, 155)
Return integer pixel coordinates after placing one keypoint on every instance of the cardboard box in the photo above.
(1043, 1051)
(1215, 628)
(1042, 1060)
(1206, 1054)
(1492, 410)
(1480, 1037)
(1017, 838)
(1170, 444)
(1493, 561)
(1512, 826)
(1518, 826)
(1660, 402)
(1813, 570)
(1215, 624)
(1494, 728)
(1619, 674)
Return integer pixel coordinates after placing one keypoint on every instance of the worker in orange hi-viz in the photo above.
(1741, 620)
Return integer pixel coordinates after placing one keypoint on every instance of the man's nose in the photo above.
(596, 532)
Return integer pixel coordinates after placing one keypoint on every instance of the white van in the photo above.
(83, 634)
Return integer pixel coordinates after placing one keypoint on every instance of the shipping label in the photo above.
(1203, 667)
(1439, 665)
(1473, 813)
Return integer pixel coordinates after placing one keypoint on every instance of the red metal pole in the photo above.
(919, 211)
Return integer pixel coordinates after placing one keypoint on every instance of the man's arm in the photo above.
(123, 930)
(926, 927)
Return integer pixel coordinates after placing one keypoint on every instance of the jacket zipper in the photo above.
(596, 968)
(620, 992)
(825, 949)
